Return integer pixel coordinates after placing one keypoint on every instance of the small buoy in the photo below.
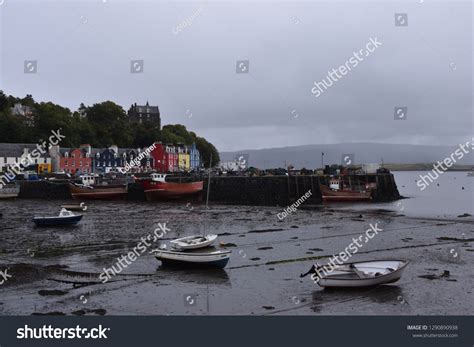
(437, 184)
(462, 188)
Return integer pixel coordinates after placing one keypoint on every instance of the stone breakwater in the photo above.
(241, 190)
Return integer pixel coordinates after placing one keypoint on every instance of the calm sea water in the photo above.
(445, 198)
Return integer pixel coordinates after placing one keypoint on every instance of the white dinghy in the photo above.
(217, 259)
(194, 242)
(358, 274)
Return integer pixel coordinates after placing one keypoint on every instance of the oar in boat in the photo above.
(356, 270)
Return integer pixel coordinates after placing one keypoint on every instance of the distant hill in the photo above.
(309, 156)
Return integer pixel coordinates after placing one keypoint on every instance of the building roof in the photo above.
(152, 109)
(15, 150)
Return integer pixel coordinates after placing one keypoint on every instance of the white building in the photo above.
(12, 153)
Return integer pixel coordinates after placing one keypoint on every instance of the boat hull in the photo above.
(8, 196)
(329, 195)
(170, 190)
(96, 193)
(56, 221)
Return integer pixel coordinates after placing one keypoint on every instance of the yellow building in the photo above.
(184, 159)
(44, 168)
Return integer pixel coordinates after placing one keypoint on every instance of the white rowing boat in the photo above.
(358, 274)
(194, 242)
(217, 259)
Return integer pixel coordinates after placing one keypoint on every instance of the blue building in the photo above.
(194, 157)
(107, 160)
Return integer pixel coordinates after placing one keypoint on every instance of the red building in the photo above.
(159, 158)
(76, 160)
(165, 158)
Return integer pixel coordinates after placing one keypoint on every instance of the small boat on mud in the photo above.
(81, 207)
(216, 259)
(194, 242)
(98, 192)
(9, 191)
(157, 188)
(65, 218)
(338, 193)
(358, 274)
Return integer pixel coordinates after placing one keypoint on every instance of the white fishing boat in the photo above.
(358, 274)
(217, 259)
(194, 242)
(65, 218)
(76, 207)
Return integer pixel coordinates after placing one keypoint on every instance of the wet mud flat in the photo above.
(56, 270)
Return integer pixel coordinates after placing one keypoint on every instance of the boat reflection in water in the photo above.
(384, 294)
(209, 276)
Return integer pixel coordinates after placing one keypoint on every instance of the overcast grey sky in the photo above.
(84, 50)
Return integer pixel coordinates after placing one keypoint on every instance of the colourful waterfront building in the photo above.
(12, 154)
(160, 157)
(183, 158)
(194, 157)
(172, 158)
(107, 160)
(75, 160)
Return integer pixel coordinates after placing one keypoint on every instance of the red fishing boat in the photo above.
(337, 193)
(96, 192)
(156, 188)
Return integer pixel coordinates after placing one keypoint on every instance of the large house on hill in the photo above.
(25, 113)
(144, 113)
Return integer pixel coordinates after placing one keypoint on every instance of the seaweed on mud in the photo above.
(447, 238)
(264, 231)
(446, 274)
(52, 292)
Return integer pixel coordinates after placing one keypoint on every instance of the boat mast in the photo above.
(209, 181)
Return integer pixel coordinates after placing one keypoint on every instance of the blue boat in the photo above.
(65, 218)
